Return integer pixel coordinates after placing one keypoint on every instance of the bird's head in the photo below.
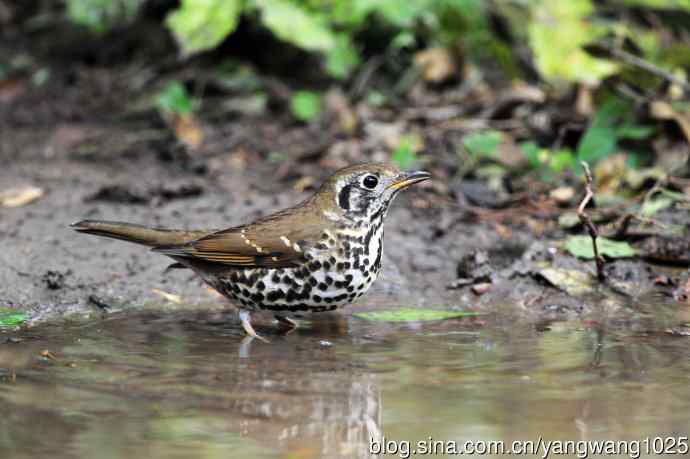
(362, 192)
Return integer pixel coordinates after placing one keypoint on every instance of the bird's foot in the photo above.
(286, 323)
(245, 318)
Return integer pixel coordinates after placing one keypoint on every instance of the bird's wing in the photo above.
(266, 243)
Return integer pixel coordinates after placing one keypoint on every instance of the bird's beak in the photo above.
(408, 178)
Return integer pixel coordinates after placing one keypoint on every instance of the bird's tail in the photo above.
(138, 234)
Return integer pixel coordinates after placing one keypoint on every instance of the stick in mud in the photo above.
(587, 221)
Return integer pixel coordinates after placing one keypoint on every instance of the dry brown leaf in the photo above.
(337, 103)
(664, 111)
(562, 195)
(188, 131)
(20, 196)
(437, 64)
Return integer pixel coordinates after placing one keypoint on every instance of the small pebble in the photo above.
(482, 288)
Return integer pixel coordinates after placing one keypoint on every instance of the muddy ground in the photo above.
(98, 151)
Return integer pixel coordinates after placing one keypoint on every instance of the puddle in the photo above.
(169, 385)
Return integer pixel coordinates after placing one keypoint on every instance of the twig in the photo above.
(643, 64)
(362, 79)
(587, 222)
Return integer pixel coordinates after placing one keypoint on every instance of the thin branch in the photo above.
(587, 222)
(643, 64)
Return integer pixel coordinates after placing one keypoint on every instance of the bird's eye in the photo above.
(370, 182)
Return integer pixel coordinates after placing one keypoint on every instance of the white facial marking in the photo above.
(285, 240)
(331, 215)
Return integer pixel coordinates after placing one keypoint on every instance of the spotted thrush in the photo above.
(316, 256)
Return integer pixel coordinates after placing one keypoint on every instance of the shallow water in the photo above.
(169, 385)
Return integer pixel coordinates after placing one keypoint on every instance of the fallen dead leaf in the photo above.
(20, 196)
(188, 131)
(664, 111)
(437, 64)
(168, 296)
(562, 195)
(337, 103)
(572, 282)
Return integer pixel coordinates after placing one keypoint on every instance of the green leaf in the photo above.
(533, 154)
(634, 132)
(174, 99)
(568, 220)
(581, 247)
(403, 156)
(12, 317)
(343, 58)
(296, 25)
(305, 105)
(557, 32)
(483, 144)
(652, 206)
(199, 25)
(598, 142)
(611, 112)
(412, 315)
(99, 15)
(400, 14)
(376, 98)
(562, 160)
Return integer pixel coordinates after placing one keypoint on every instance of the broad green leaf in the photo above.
(562, 160)
(399, 13)
(404, 156)
(99, 15)
(557, 32)
(12, 317)
(483, 144)
(581, 247)
(611, 112)
(199, 25)
(412, 315)
(293, 24)
(174, 99)
(305, 105)
(533, 154)
(597, 142)
(343, 58)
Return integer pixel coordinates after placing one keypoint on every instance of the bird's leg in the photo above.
(286, 322)
(245, 318)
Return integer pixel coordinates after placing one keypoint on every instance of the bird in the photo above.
(316, 256)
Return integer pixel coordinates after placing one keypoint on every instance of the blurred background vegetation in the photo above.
(548, 83)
